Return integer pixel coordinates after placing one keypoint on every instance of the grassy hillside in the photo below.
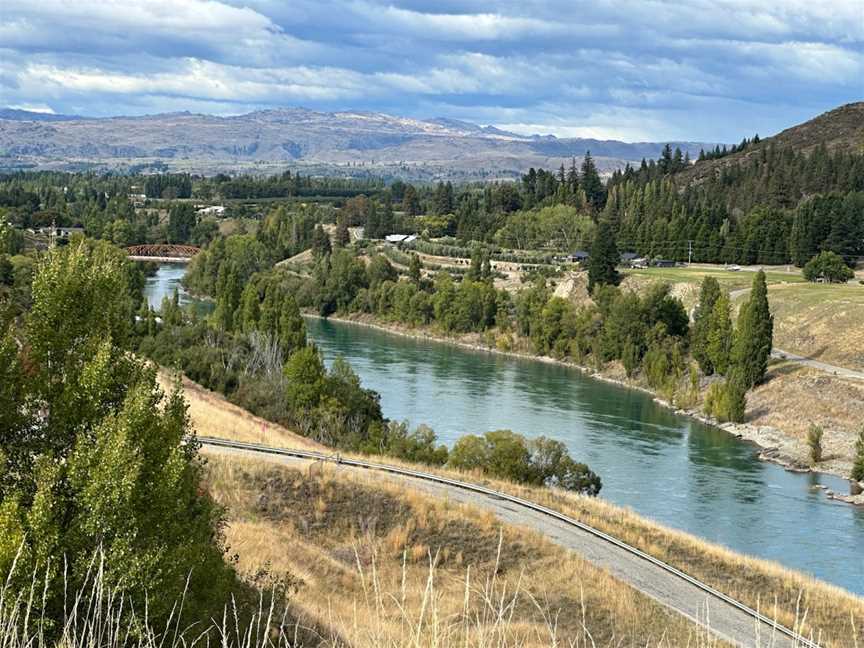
(381, 566)
(759, 583)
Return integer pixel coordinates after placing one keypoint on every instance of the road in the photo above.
(843, 372)
(722, 618)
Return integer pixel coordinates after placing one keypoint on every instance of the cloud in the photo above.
(633, 69)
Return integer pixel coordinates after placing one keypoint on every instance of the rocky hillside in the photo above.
(297, 138)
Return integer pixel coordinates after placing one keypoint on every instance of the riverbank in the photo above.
(775, 445)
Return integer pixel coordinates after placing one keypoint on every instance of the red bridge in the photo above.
(166, 252)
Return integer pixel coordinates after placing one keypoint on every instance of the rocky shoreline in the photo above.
(774, 445)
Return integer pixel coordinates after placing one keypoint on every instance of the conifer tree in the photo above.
(410, 202)
(754, 335)
(591, 183)
(604, 258)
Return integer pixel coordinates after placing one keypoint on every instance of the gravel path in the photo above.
(724, 620)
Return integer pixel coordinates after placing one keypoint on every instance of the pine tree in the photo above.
(754, 335)
(604, 259)
(708, 295)
(591, 184)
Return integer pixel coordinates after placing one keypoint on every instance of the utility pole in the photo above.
(689, 252)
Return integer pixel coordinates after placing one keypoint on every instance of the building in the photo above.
(663, 263)
(580, 256)
(215, 210)
(400, 238)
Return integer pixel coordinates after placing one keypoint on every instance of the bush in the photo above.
(828, 266)
(727, 401)
(507, 455)
(814, 441)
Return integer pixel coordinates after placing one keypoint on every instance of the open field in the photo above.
(383, 566)
(760, 584)
(821, 321)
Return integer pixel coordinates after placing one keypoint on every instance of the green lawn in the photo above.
(730, 280)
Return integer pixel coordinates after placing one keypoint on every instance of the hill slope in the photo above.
(838, 129)
(298, 137)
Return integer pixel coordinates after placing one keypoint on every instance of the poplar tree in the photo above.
(708, 295)
(719, 342)
(754, 335)
(604, 259)
(342, 235)
(414, 269)
(858, 465)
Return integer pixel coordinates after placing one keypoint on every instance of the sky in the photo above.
(634, 70)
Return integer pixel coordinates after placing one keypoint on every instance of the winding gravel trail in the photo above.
(724, 619)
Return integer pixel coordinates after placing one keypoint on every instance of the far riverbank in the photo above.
(775, 445)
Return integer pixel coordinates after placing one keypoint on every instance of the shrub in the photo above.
(727, 401)
(858, 465)
(814, 442)
(507, 455)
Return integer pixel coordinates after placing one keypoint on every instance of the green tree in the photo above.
(320, 243)
(415, 273)
(305, 376)
(754, 334)
(380, 270)
(858, 464)
(708, 295)
(95, 458)
(814, 442)
(181, 221)
(829, 267)
(590, 183)
(720, 334)
(342, 236)
(410, 202)
(604, 259)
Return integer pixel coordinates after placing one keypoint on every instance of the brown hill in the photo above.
(841, 128)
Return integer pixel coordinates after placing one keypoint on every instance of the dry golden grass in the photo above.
(822, 321)
(758, 583)
(796, 397)
(384, 566)
(213, 415)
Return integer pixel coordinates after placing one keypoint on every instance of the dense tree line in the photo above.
(776, 206)
(168, 185)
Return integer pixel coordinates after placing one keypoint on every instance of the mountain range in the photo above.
(317, 142)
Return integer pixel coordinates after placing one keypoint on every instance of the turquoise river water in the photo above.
(671, 468)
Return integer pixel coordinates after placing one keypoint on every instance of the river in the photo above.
(670, 468)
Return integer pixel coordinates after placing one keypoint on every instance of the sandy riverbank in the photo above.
(774, 444)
